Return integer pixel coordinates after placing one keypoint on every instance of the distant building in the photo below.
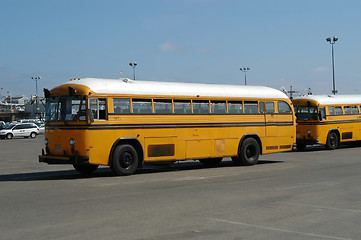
(19, 107)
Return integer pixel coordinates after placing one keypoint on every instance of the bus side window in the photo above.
(331, 110)
(182, 107)
(251, 107)
(283, 107)
(338, 110)
(347, 109)
(141, 106)
(98, 108)
(121, 105)
(322, 113)
(162, 106)
(218, 107)
(200, 107)
(235, 107)
(261, 107)
(270, 107)
(355, 110)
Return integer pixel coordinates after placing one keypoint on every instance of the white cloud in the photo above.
(320, 69)
(171, 47)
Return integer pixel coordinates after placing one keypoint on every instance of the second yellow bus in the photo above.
(327, 119)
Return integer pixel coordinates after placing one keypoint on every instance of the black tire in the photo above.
(332, 141)
(124, 160)
(9, 136)
(33, 135)
(248, 154)
(211, 162)
(85, 168)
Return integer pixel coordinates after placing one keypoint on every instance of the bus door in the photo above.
(268, 109)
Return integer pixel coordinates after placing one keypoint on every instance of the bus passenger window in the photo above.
(121, 105)
(347, 109)
(355, 110)
(201, 107)
(162, 106)
(235, 107)
(218, 107)
(250, 107)
(141, 106)
(98, 108)
(182, 107)
(331, 110)
(261, 107)
(283, 107)
(270, 107)
(338, 110)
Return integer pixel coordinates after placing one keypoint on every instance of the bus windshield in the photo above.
(65, 108)
(306, 113)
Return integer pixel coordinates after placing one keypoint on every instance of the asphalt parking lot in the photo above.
(314, 194)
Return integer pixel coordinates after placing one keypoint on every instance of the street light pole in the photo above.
(245, 70)
(133, 65)
(36, 79)
(332, 41)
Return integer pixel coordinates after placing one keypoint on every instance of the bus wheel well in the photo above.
(337, 133)
(129, 141)
(255, 136)
(333, 139)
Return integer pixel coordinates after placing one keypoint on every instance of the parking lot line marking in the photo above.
(277, 229)
(324, 207)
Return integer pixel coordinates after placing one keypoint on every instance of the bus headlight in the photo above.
(72, 141)
(46, 141)
(309, 131)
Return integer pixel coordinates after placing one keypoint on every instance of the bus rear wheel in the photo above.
(125, 160)
(332, 141)
(248, 154)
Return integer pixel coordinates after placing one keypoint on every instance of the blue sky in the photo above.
(207, 41)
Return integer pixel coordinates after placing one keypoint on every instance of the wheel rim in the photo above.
(332, 140)
(250, 152)
(126, 160)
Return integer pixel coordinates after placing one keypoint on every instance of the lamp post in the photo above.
(332, 41)
(245, 70)
(36, 79)
(133, 65)
(11, 105)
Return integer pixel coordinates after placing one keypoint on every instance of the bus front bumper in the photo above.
(54, 159)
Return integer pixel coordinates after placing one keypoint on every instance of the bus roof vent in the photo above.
(127, 80)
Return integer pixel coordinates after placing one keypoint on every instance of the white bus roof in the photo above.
(333, 99)
(129, 87)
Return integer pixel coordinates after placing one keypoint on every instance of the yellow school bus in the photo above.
(124, 124)
(327, 119)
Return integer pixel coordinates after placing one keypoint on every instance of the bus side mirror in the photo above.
(90, 115)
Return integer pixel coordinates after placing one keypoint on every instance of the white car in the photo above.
(20, 130)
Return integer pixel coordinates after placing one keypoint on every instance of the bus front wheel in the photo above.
(332, 141)
(125, 160)
(248, 154)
